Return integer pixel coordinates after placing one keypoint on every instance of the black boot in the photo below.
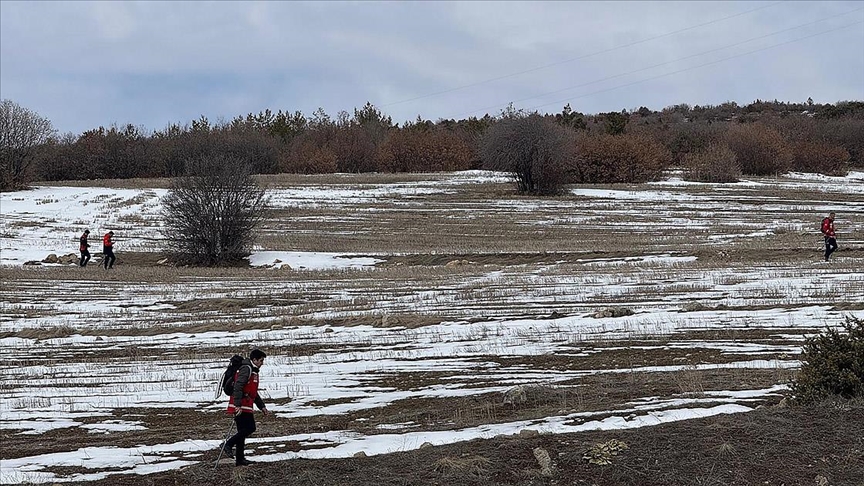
(228, 451)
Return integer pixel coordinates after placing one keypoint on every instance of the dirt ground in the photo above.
(814, 445)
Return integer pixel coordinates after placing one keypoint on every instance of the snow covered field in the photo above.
(430, 294)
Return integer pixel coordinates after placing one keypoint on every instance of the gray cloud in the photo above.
(89, 64)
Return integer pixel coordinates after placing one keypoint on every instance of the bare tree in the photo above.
(533, 149)
(21, 132)
(210, 215)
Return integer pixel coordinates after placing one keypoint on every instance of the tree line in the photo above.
(543, 152)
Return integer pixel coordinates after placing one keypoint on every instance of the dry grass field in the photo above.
(638, 335)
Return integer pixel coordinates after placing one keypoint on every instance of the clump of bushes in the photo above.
(832, 364)
(760, 150)
(820, 157)
(618, 158)
(717, 163)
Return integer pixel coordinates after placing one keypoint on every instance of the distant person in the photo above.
(830, 237)
(108, 250)
(240, 405)
(84, 247)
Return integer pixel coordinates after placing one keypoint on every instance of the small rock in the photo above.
(52, 258)
(360, 454)
(425, 445)
(821, 481)
(528, 433)
(32, 262)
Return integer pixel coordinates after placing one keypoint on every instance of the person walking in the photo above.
(240, 405)
(830, 236)
(108, 250)
(84, 247)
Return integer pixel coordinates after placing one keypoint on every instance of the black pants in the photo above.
(245, 427)
(109, 257)
(85, 257)
(830, 246)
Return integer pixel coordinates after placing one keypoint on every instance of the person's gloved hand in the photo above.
(265, 411)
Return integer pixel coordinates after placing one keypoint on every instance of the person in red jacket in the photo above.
(108, 250)
(240, 405)
(830, 237)
(85, 252)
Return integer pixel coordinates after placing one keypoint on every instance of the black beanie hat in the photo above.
(257, 354)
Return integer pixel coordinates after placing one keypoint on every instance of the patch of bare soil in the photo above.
(796, 446)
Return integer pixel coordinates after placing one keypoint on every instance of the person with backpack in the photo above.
(85, 252)
(108, 250)
(244, 395)
(830, 236)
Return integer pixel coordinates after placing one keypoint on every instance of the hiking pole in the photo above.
(224, 443)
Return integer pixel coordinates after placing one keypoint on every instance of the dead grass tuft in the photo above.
(476, 466)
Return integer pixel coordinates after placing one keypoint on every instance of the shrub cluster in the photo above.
(820, 157)
(618, 158)
(832, 364)
(716, 163)
(765, 137)
(759, 149)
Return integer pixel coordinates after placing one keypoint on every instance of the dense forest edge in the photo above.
(710, 143)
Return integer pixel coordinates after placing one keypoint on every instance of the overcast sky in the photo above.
(86, 64)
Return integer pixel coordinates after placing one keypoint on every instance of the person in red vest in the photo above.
(830, 236)
(108, 250)
(85, 252)
(240, 405)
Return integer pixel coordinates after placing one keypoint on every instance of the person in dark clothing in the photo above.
(240, 405)
(108, 250)
(85, 252)
(830, 236)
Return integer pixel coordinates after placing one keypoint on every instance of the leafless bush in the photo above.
(355, 149)
(210, 215)
(533, 149)
(21, 132)
(760, 150)
(687, 138)
(717, 163)
(820, 157)
(618, 158)
(431, 150)
(311, 153)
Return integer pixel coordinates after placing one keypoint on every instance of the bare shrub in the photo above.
(355, 150)
(311, 153)
(425, 151)
(820, 157)
(210, 214)
(687, 138)
(618, 158)
(534, 150)
(849, 134)
(21, 132)
(760, 150)
(717, 163)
